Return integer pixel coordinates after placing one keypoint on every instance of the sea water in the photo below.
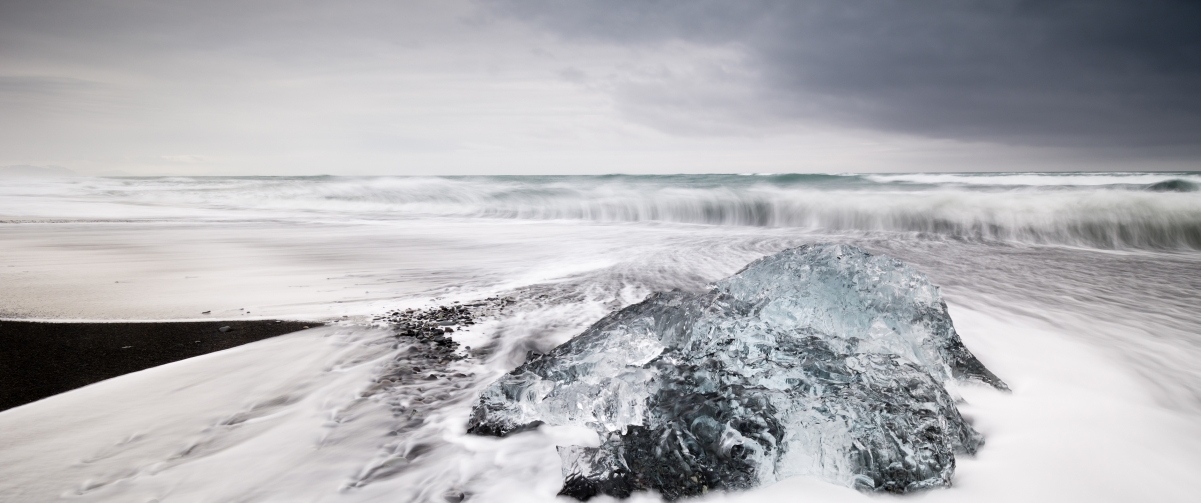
(1079, 290)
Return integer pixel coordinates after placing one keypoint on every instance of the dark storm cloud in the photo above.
(1120, 75)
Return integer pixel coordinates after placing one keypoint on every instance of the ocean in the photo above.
(1080, 290)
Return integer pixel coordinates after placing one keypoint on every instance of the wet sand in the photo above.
(41, 359)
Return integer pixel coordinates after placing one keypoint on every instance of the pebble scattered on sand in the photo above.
(435, 323)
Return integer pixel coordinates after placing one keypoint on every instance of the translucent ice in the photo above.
(822, 360)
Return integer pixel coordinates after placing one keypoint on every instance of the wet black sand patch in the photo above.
(40, 359)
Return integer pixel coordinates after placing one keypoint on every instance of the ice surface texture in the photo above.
(822, 360)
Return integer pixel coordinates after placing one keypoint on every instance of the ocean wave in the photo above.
(1068, 179)
(1092, 220)
(1089, 216)
(1173, 185)
(1125, 212)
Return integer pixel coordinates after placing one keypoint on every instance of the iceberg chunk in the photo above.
(821, 360)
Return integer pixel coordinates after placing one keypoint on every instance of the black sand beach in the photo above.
(40, 359)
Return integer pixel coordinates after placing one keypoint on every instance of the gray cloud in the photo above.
(525, 86)
(1109, 74)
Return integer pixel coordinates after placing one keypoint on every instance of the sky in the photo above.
(266, 87)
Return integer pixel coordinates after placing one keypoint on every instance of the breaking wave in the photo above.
(1110, 210)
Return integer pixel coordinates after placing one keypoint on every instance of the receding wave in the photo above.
(1044, 209)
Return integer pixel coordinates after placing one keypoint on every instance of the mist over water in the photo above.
(1079, 290)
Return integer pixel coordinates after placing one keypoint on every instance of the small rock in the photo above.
(206, 312)
(226, 328)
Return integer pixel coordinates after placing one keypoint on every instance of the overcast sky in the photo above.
(599, 86)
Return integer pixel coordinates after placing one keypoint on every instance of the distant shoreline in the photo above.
(40, 359)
